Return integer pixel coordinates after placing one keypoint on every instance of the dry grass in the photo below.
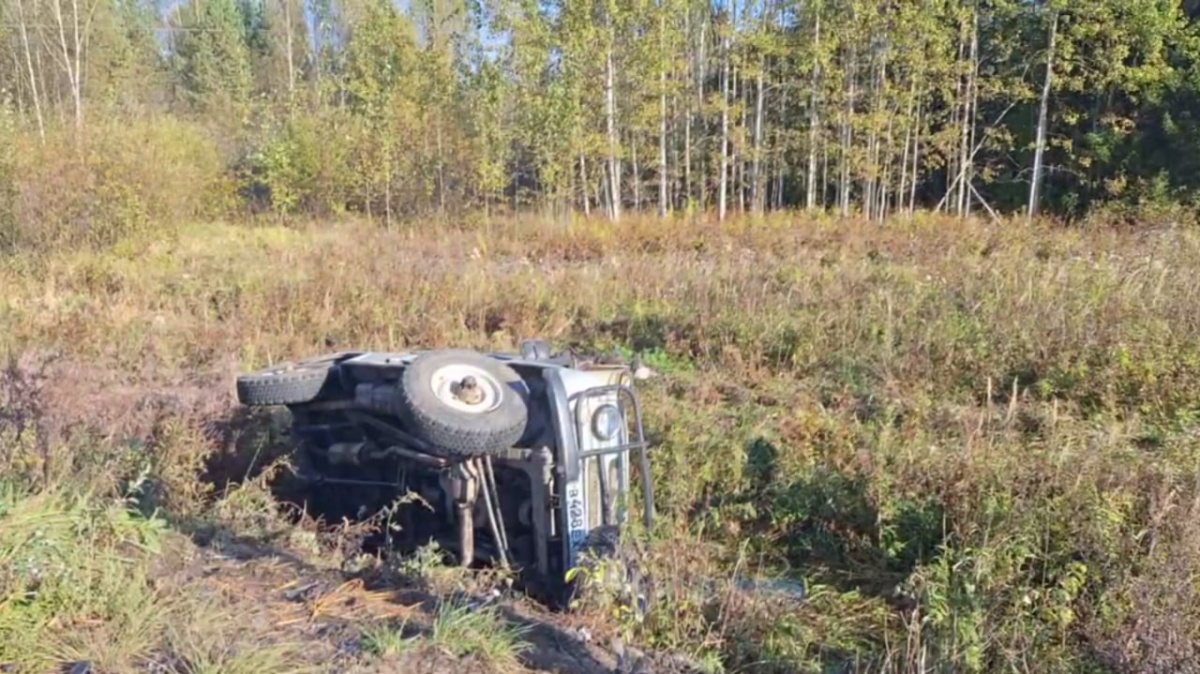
(974, 442)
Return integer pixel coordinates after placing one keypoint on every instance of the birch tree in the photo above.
(1035, 182)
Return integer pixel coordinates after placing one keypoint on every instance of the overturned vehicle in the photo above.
(522, 460)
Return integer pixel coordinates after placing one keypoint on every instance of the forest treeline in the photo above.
(116, 113)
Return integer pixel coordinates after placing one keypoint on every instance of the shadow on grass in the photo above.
(827, 524)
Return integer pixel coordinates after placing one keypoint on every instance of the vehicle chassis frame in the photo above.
(560, 501)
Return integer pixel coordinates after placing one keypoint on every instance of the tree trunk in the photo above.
(916, 165)
(583, 184)
(441, 172)
(902, 190)
(70, 62)
(675, 186)
(387, 197)
(33, 83)
(702, 188)
(687, 117)
(964, 160)
(662, 117)
(291, 66)
(885, 185)
(723, 182)
(780, 152)
(969, 178)
(824, 173)
(637, 177)
(693, 67)
(737, 164)
(756, 193)
(610, 113)
(847, 137)
(77, 85)
(872, 169)
(814, 121)
(687, 155)
(953, 166)
(1035, 184)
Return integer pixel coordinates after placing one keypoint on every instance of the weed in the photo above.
(463, 629)
(389, 640)
(460, 629)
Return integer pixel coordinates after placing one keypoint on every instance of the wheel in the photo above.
(286, 384)
(463, 403)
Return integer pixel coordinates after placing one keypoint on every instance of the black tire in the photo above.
(457, 432)
(286, 384)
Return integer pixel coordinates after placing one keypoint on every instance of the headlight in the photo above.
(606, 422)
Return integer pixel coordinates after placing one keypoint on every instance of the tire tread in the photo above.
(300, 386)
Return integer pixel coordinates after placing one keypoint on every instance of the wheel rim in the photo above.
(467, 388)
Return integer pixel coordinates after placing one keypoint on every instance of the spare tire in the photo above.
(286, 384)
(463, 403)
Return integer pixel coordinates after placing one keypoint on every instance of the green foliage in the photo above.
(212, 55)
(123, 70)
(403, 112)
(286, 168)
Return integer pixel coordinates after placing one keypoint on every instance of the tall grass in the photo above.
(460, 630)
(975, 443)
(83, 581)
(69, 588)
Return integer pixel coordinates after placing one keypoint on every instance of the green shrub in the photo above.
(119, 180)
(295, 169)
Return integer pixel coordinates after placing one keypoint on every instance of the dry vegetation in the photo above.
(974, 443)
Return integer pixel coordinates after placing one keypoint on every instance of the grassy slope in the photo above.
(974, 443)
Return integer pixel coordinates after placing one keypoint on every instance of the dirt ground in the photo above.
(282, 598)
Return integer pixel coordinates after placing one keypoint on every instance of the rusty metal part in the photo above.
(491, 507)
(462, 487)
(490, 481)
(468, 391)
(466, 535)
